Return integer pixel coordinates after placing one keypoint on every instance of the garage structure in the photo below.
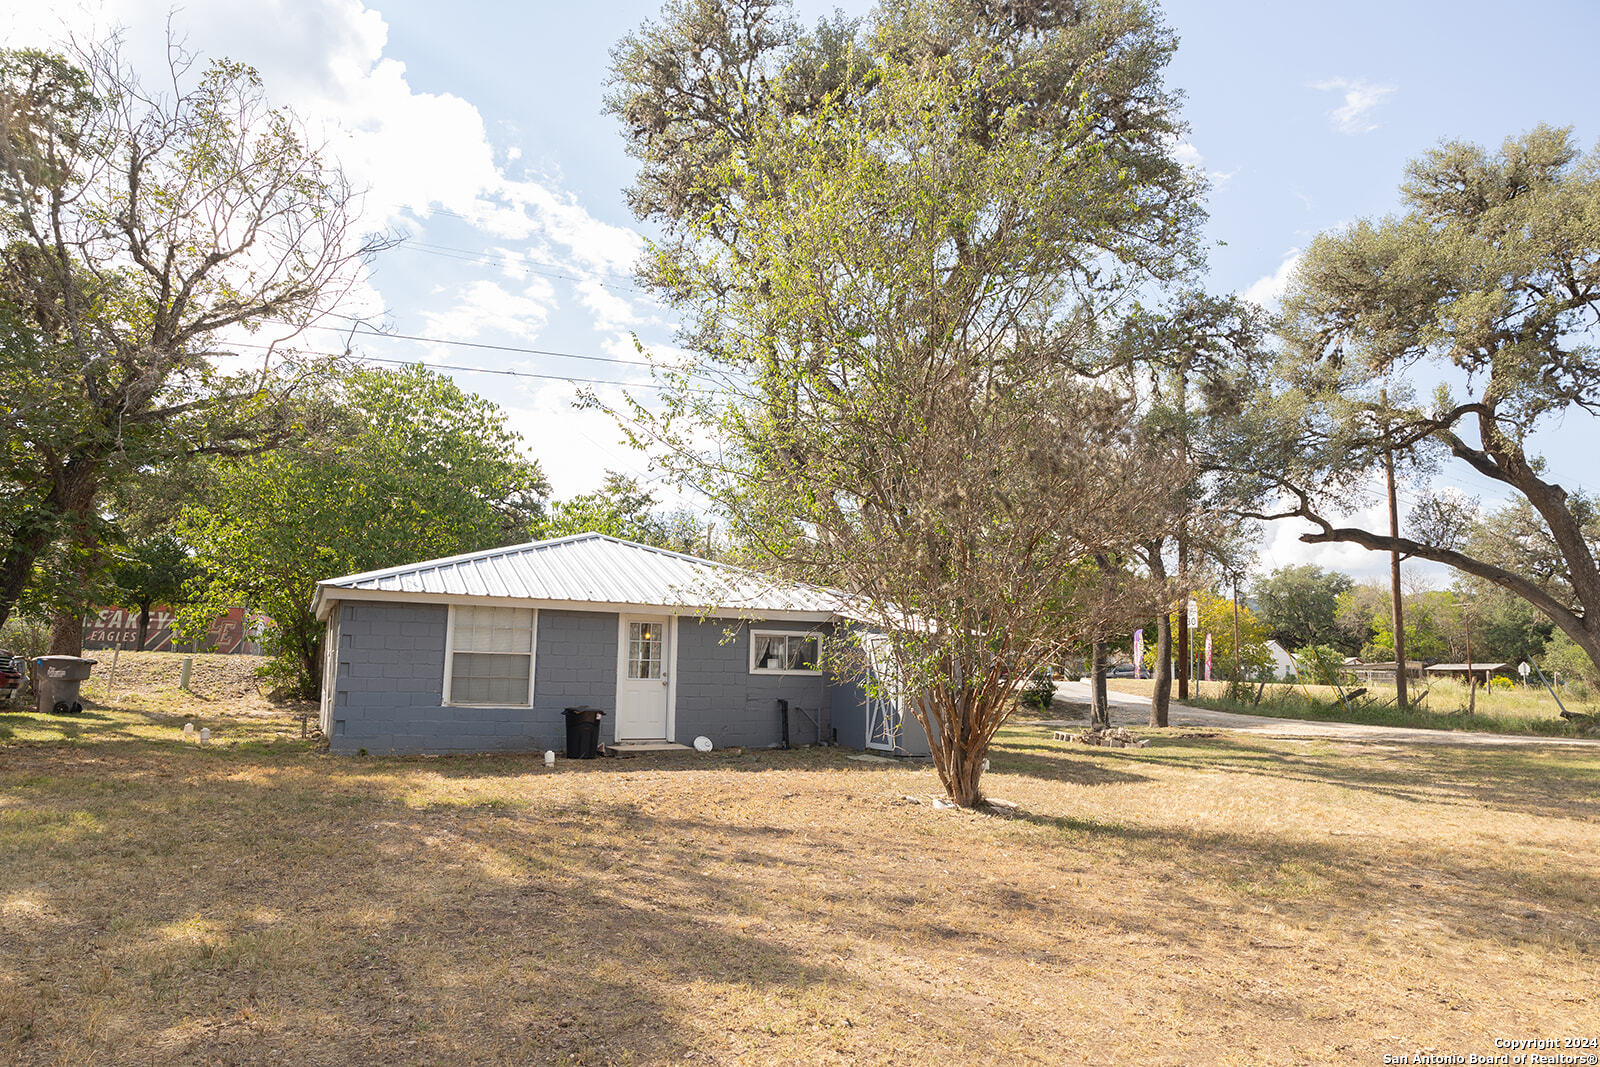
(483, 652)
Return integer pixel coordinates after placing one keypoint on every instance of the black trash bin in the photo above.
(583, 732)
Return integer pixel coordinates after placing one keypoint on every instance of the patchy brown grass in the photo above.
(1209, 899)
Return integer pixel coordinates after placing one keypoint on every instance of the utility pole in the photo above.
(1399, 617)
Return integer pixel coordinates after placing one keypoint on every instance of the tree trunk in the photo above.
(958, 752)
(1161, 690)
(66, 632)
(1099, 710)
(144, 626)
(311, 659)
(1161, 695)
(962, 780)
(71, 496)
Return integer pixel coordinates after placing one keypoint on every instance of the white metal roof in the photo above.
(585, 570)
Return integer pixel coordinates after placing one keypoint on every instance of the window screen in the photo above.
(492, 656)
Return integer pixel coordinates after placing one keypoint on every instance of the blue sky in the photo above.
(478, 128)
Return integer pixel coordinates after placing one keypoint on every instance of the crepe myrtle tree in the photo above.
(145, 229)
(1450, 333)
(891, 242)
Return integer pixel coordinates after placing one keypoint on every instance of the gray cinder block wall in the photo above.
(388, 690)
(719, 698)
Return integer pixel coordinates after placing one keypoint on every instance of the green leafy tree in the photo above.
(623, 508)
(1358, 613)
(1450, 334)
(137, 229)
(1300, 604)
(157, 570)
(1216, 619)
(1195, 358)
(411, 468)
(890, 242)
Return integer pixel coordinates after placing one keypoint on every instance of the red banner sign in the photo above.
(118, 628)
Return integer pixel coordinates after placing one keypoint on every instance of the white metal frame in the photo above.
(330, 672)
(450, 658)
(669, 664)
(884, 706)
(755, 634)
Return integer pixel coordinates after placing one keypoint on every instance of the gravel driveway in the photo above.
(1130, 710)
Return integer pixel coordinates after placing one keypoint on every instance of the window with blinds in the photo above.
(489, 658)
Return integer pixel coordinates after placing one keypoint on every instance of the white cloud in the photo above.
(487, 308)
(434, 168)
(1283, 547)
(1361, 98)
(1269, 289)
(1188, 155)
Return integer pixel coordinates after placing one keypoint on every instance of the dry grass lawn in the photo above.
(1208, 899)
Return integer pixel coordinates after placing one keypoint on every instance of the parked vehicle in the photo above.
(1121, 670)
(12, 677)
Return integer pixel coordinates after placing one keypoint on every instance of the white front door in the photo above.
(644, 661)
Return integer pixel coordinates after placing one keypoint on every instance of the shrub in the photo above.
(1319, 664)
(1039, 691)
(25, 635)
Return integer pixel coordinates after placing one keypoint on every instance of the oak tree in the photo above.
(146, 230)
(1451, 333)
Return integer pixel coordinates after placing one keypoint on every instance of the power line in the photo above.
(472, 370)
(468, 218)
(490, 259)
(363, 330)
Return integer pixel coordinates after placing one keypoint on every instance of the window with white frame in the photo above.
(774, 652)
(488, 657)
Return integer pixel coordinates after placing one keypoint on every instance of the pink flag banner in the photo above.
(1208, 657)
(1138, 653)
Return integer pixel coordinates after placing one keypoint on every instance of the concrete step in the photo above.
(626, 747)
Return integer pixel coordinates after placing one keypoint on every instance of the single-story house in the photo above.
(1380, 673)
(484, 652)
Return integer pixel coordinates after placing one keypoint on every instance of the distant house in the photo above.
(1381, 673)
(1482, 671)
(1283, 667)
(483, 652)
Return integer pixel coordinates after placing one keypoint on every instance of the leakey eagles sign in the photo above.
(119, 628)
